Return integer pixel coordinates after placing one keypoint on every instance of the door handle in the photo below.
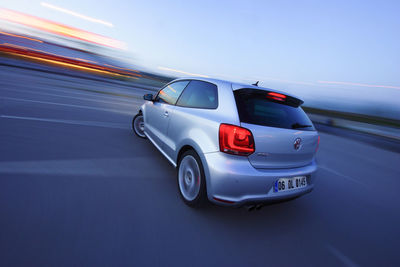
(166, 114)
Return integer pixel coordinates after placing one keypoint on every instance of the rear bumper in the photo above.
(233, 181)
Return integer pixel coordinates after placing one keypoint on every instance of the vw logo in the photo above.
(297, 143)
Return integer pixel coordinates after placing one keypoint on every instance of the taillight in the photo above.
(317, 145)
(235, 140)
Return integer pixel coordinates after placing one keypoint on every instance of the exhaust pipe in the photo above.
(254, 207)
(250, 208)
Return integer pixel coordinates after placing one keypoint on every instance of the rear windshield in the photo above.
(255, 107)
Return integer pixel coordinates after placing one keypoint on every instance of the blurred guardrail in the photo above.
(378, 126)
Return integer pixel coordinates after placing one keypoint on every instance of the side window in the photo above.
(170, 93)
(199, 94)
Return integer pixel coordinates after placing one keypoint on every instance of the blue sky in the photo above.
(314, 49)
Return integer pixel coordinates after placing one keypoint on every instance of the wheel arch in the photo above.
(195, 148)
(183, 150)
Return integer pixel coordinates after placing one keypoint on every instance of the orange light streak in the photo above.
(121, 68)
(57, 28)
(40, 55)
(20, 36)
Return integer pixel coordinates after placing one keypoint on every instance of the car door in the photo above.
(158, 112)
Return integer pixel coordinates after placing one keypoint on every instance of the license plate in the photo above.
(286, 184)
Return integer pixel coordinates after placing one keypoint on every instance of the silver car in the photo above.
(232, 144)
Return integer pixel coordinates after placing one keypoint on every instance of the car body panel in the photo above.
(182, 129)
(234, 179)
(275, 147)
(156, 122)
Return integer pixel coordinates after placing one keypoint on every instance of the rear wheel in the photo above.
(138, 125)
(191, 180)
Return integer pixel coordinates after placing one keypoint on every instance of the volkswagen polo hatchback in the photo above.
(232, 144)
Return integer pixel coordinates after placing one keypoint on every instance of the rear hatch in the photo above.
(284, 136)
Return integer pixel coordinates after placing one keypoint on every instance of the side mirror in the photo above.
(148, 97)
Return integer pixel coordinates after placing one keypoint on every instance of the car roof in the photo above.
(235, 86)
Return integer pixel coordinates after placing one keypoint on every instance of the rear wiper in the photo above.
(298, 125)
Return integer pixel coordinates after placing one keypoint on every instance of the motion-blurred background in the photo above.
(341, 57)
(77, 188)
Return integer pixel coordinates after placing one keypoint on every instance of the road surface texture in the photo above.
(78, 188)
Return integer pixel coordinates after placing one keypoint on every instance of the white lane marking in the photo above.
(70, 85)
(343, 258)
(66, 105)
(48, 87)
(80, 98)
(85, 123)
(133, 167)
(340, 174)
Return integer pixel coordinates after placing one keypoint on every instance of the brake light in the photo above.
(317, 144)
(235, 140)
(276, 96)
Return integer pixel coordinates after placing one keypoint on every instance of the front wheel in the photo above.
(138, 125)
(191, 181)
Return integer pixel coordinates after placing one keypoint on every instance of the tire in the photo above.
(138, 125)
(191, 180)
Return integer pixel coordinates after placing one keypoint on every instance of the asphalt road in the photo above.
(77, 188)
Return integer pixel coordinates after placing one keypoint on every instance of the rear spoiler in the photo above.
(272, 96)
